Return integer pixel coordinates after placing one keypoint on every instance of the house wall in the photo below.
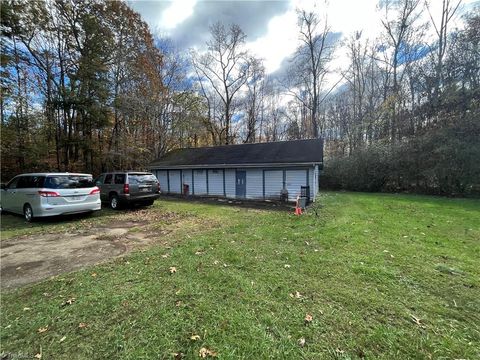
(215, 182)
(187, 180)
(230, 183)
(273, 184)
(163, 180)
(254, 184)
(175, 182)
(200, 182)
(261, 183)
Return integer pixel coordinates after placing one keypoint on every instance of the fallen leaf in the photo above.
(417, 321)
(178, 303)
(204, 352)
(26, 309)
(286, 266)
(301, 342)
(308, 318)
(173, 270)
(195, 337)
(82, 325)
(178, 356)
(165, 256)
(199, 252)
(68, 302)
(63, 339)
(42, 329)
(94, 274)
(296, 295)
(38, 356)
(215, 262)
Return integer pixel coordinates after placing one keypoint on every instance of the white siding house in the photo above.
(248, 171)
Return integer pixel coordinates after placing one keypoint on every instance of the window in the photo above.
(99, 180)
(141, 178)
(108, 179)
(13, 183)
(119, 178)
(23, 182)
(214, 171)
(200, 172)
(68, 182)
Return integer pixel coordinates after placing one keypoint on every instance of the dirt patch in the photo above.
(31, 258)
(269, 204)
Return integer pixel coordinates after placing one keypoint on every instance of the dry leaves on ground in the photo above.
(42, 329)
(204, 352)
(308, 318)
(195, 337)
(417, 321)
(68, 302)
(296, 295)
(301, 342)
(82, 325)
(173, 270)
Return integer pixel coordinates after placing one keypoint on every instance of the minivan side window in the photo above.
(108, 179)
(37, 181)
(13, 183)
(23, 182)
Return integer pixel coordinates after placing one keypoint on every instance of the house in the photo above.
(247, 171)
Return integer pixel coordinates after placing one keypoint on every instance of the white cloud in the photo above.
(176, 13)
(279, 42)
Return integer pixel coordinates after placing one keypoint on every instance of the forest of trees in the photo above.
(87, 87)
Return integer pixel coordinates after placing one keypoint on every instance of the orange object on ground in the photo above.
(298, 209)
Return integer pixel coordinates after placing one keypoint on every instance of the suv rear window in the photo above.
(141, 178)
(68, 182)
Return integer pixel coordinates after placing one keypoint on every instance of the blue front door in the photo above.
(241, 184)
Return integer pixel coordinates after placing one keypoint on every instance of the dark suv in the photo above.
(128, 188)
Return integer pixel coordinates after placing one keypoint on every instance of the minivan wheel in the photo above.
(114, 203)
(28, 213)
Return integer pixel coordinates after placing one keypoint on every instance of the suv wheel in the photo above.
(114, 203)
(28, 213)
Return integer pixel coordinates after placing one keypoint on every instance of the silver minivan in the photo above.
(49, 194)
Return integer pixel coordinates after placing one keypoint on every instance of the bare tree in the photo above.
(398, 22)
(253, 98)
(441, 29)
(225, 67)
(313, 56)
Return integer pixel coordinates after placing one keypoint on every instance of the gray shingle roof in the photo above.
(281, 152)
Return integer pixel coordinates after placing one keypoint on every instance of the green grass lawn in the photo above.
(383, 277)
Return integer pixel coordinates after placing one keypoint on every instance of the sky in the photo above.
(270, 25)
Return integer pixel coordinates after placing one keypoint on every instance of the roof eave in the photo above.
(233, 166)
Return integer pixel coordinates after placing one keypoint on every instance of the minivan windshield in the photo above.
(68, 182)
(141, 178)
